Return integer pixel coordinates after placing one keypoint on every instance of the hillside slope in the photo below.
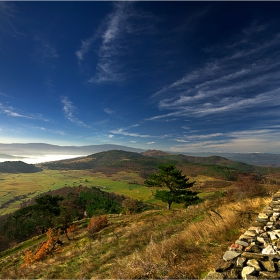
(18, 167)
(154, 244)
(108, 162)
(209, 160)
(146, 163)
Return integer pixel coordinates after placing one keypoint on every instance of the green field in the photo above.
(23, 186)
(30, 185)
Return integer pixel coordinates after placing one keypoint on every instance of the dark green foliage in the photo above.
(94, 201)
(222, 172)
(48, 205)
(18, 167)
(33, 219)
(177, 184)
(59, 209)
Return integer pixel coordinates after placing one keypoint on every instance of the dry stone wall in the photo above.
(256, 254)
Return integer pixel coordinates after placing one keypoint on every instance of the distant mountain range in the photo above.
(258, 159)
(5, 156)
(31, 149)
(10, 151)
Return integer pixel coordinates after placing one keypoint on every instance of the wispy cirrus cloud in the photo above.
(127, 132)
(109, 69)
(244, 141)
(113, 40)
(121, 131)
(86, 44)
(7, 18)
(12, 112)
(45, 52)
(244, 80)
(255, 28)
(109, 111)
(69, 110)
(3, 94)
(45, 129)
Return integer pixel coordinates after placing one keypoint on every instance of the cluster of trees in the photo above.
(50, 211)
(98, 202)
(33, 219)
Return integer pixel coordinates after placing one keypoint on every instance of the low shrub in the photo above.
(96, 224)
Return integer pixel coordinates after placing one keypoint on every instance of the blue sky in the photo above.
(177, 76)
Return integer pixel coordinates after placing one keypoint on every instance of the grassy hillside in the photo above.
(154, 244)
(108, 162)
(209, 160)
(181, 243)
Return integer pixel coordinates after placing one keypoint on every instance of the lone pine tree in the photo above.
(169, 177)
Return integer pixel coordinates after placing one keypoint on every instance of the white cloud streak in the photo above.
(7, 19)
(12, 112)
(121, 131)
(227, 85)
(108, 67)
(45, 52)
(109, 111)
(113, 40)
(255, 28)
(246, 141)
(85, 47)
(69, 110)
(3, 94)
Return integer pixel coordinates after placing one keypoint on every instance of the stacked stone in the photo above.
(256, 254)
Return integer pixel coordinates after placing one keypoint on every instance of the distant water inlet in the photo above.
(38, 158)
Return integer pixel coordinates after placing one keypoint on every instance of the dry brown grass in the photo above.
(154, 244)
(192, 251)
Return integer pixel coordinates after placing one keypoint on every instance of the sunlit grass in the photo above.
(154, 244)
(33, 184)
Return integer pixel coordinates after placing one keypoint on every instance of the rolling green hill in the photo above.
(110, 162)
(211, 160)
(18, 167)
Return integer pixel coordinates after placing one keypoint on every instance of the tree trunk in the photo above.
(169, 205)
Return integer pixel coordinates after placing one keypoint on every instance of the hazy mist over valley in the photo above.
(34, 153)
